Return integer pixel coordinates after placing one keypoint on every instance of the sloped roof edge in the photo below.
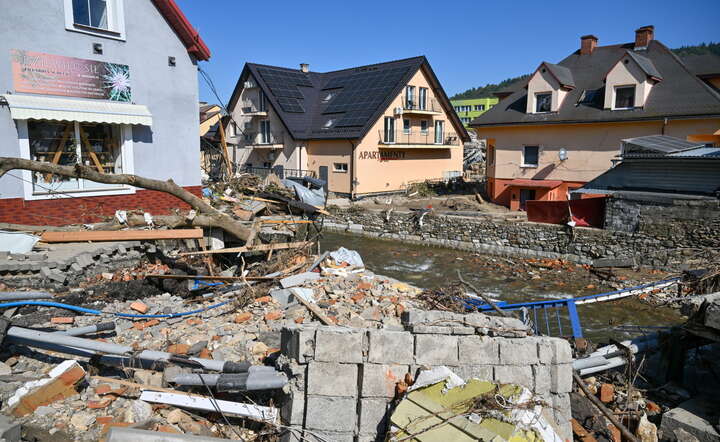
(184, 30)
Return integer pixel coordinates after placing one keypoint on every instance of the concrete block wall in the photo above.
(343, 381)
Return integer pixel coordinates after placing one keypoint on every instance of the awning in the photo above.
(26, 107)
(542, 184)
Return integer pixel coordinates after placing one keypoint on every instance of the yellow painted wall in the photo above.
(210, 122)
(591, 147)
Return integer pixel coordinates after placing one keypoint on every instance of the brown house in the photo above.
(365, 130)
(563, 127)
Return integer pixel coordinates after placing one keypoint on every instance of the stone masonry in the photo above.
(343, 380)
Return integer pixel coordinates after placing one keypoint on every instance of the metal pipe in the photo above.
(263, 380)
(610, 363)
(591, 361)
(79, 331)
(17, 296)
(71, 341)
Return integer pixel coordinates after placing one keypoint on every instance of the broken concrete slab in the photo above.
(126, 434)
(299, 279)
(696, 416)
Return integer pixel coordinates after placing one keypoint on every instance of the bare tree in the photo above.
(207, 215)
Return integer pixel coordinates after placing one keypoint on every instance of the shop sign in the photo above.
(38, 73)
(383, 155)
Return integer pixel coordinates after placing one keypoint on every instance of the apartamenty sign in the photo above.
(39, 73)
(382, 155)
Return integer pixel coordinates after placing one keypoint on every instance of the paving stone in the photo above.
(338, 345)
(390, 347)
(373, 416)
(337, 414)
(522, 351)
(436, 350)
(332, 379)
(479, 350)
(378, 380)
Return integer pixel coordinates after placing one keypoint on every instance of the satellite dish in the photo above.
(562, 154)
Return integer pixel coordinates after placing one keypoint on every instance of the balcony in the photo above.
(429, 106)
(252, 109)
(418, 139)
(265, 140)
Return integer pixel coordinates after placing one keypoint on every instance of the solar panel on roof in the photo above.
(291, 105)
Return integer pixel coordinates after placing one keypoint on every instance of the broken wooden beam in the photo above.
(120, 235)
(258, 248)
(213, 278)
(250, 411)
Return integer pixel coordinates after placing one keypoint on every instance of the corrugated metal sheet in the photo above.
(25, 107)
(702, 152)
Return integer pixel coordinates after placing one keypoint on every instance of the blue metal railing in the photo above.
(548, 312)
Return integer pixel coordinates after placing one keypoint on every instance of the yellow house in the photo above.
(365, 130)
(210, 115)
(563, 127)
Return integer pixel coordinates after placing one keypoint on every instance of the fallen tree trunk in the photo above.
(207, 216)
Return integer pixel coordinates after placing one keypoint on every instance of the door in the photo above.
(439, 132)
(265, 132)
(323, 175)
(526, 195)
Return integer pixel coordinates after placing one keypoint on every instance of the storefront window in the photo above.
(68, 143)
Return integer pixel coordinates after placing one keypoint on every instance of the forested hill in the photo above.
(489, 89)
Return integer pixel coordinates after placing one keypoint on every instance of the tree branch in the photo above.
(212, 218)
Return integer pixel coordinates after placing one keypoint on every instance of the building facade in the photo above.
(564, 126)
(471, 108)
(366, 130)
(112, 85)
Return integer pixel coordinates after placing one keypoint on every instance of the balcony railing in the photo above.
(414, 104)
(260, 139)
(280, 171)
(417, 137)
(252, 108)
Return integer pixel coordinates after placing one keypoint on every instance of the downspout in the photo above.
(352, 169)
(665, 122)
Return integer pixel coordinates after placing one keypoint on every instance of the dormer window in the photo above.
(624, 97)
(543, 102)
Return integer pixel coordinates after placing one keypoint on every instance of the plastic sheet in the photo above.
(17, 242)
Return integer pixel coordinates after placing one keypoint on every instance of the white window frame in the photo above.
(265, 132)
(116, 21)
(127, 158)
(536, 102)
(531, 166)
(614, 96)
(409, 97)
(422, 98)
(388, 131)
(441, 138)
(342, 169)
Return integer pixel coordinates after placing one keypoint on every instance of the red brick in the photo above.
(607, 393)
(145, 324)
(243, 317)
(139, 307)
(271, 316)
(179, 349)
(63, 320)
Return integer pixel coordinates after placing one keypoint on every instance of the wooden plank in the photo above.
(121, 235)
(314, 308)
(258, 248)
(251, 411)
(212, 278)
(286, 221)
(85, 142)
(223, 143)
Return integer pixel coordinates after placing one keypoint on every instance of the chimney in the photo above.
(587, 44)
(643, 36)
(304, 67)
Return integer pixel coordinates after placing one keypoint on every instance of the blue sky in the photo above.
(468, 43)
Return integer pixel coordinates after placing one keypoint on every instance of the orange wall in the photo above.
(326, 153)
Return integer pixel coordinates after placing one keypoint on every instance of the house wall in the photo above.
(590, 148)
(544, 82)
(210, 122)
(472, 114)
(168, 149)
(326, 153)
(382, 168)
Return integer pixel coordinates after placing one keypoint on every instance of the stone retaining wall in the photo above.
(671, 243)
(343, 380)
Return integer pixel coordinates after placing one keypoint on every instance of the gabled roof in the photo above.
(184, 30)
(680, 94)
(562, 74)
(340, 104)
(645, 64)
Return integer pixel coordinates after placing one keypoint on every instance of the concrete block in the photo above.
(373, 416)
(431, 330)
(10, 431)
(390, 347)
(542, 378)
(462, 330)
(293, 410)
(298, 343)
(338, 345)
(293, 434)
(693, 416)
(478, 320)
(284, 297)
(521, 351)
(561, 380)
(337, 414)
(299, 279)
(478, 350)
(379, 380)
(127, 434)
(331, 379)
(554, 351)
(333, 436)
(515, 374)
(436, 350)
(482, 372)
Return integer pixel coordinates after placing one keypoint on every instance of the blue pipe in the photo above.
(98, 312)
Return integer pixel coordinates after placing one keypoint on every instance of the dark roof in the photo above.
(680, 94)
(562, 74)
(656, 145)
(702, 65)
(184, 30)
(353, 99)
(645, 64)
